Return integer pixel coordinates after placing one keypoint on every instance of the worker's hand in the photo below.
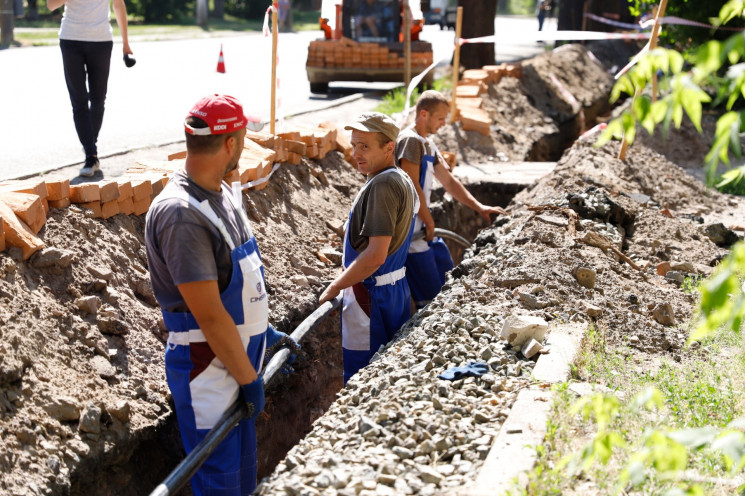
(253, 394)
(485, 211)
(275, 341)
(428, 223)
(328, 294)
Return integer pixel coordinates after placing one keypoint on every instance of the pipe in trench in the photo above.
(184, 470)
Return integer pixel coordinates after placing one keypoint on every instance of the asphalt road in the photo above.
(146, 103)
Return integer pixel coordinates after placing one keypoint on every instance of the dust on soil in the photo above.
(82, 386)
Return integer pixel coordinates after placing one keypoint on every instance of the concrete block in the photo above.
(519, 329)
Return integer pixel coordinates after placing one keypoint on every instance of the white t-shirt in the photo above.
(86, 20)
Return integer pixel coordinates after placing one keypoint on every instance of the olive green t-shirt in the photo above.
(385, 208)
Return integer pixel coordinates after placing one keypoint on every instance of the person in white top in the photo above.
(86, 41)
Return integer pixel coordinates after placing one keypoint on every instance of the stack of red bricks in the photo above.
(24, 205)
(349, 53)
(472, 85)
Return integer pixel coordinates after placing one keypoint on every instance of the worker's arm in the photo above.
(203, 300)
(120, 11)
(460, 193)
(55, 4)
(366, 263)
(428, 222)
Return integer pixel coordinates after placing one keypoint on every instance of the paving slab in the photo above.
(513, 453)
(520, 173)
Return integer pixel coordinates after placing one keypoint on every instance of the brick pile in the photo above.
(472, 85)
(347, 53)
(24, 205)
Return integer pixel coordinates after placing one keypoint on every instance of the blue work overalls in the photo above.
(201, 386)
(427, 262)
(374, 309)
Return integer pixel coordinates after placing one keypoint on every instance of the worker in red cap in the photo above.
(208, 277)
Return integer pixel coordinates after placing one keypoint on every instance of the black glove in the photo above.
(253, 395)
(275, 341)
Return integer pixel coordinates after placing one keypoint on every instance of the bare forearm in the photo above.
(120, 11)
(55, 4)
(359, 270)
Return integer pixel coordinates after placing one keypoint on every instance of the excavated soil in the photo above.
(84, 407)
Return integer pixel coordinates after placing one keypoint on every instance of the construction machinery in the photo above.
(364, 41)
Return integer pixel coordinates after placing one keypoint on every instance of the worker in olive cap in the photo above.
(376, 241)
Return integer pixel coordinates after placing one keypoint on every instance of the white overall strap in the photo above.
(410, 183)
(203, 207)
(390, 277)
(237, 198)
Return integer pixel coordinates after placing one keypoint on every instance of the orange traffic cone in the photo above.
(221, 62)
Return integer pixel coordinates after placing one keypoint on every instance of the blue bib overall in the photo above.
(201, 386)
(374, 309)
(427, 262)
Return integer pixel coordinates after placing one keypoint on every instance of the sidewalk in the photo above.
(116, 164)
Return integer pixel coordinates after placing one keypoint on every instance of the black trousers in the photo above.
(86, 65)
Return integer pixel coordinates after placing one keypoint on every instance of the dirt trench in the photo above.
(84, 408)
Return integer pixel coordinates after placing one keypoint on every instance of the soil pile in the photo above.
(82, 382)
(84, 407)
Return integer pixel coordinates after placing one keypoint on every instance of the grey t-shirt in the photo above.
(385, 208)
(184, 246)
(409, 145)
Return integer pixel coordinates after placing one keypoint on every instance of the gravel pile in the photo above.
(399, 429)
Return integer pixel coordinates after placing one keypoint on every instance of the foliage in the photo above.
(732, 182)
(683, 37)
(395, 100)
(723, 296)
(684, 93)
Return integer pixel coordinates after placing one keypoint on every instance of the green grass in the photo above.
(703, 389)
(306, 20)
(732, 182)
(394, 101)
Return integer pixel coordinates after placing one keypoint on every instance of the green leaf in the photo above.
(649, 399)
(732, 446)
(694, 438)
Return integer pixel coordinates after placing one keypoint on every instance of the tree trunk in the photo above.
(202, 13)
(478, 20)
(6, 23)
(219, 11)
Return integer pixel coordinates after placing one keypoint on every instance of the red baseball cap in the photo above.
(223, 114)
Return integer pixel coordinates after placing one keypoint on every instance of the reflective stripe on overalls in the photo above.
(374, 309)
(201, 386)
(427, 262)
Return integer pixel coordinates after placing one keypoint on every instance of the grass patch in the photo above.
(395, 100)
(306, 20)
(699, 391)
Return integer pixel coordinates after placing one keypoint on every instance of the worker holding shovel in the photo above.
(376, 299)
(429, 259)
(208, 277)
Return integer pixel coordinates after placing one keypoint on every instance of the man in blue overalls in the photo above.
(376, 240)
(208, 277)
(429, 259)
